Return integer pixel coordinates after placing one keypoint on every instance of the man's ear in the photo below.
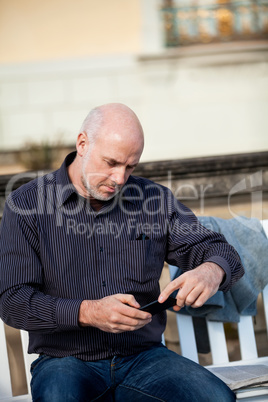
(82, 144)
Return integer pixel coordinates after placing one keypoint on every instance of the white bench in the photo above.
(188, 346)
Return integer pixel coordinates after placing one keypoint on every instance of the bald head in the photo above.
(109, 146)
(110, 119)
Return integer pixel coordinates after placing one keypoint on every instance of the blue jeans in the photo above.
(156, 374)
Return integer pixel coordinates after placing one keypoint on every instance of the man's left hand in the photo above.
(195, 286)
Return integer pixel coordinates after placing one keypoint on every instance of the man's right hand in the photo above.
(116, 313)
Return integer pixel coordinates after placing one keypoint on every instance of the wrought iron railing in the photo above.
(189, 22)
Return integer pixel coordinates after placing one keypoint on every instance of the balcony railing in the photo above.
(191, 22)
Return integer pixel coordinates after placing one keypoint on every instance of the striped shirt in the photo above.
(56, 250)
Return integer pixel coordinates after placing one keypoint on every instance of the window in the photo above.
(189, 22)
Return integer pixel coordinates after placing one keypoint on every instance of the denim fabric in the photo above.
(248, 238)
(156, 374)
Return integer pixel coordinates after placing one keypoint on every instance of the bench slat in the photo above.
(247, 339)
(265, 291)
(217, 342)
(187, 337)
(28, 358)
(5, 381)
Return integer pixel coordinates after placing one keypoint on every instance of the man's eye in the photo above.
(110, 163)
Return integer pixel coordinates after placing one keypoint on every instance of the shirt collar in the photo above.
(65, 188)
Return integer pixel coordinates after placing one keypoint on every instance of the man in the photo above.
(83, 248)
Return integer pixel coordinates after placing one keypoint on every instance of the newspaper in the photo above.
(237, 377)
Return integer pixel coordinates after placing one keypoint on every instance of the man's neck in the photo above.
(73, 171)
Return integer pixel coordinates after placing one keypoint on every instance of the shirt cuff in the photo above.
(67, 311)
(225, 266)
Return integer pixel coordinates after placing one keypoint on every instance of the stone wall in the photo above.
(197, 101)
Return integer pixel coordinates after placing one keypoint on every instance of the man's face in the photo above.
(108, 164)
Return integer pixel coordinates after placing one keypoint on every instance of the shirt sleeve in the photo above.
(190, 244)
(23, 305)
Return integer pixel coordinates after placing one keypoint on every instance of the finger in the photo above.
(187, 294)
(177, 308)
(130, 307)
(201, 299)
(128, 299)
(135, 323)
(170, 288)
(135, 312)
(124, 323)
(127, 328)
(193, 296)
(183, 288)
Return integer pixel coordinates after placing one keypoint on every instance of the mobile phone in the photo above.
(155, 307)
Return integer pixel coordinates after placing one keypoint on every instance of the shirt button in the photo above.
(101, 249)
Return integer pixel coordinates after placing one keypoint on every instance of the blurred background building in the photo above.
(194, 71)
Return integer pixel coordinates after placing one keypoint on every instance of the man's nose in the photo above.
(119, 176)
